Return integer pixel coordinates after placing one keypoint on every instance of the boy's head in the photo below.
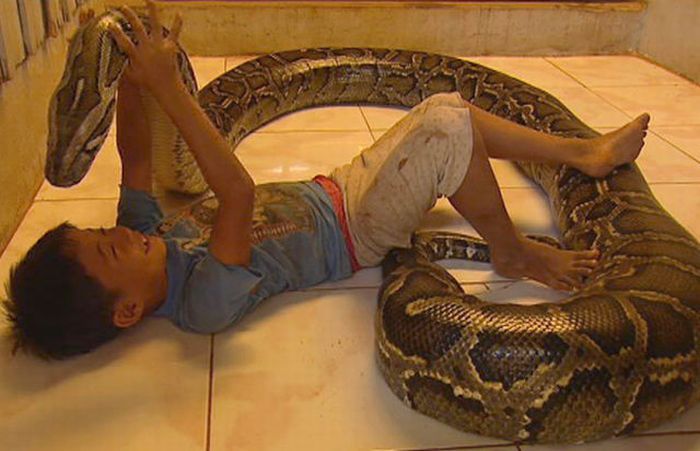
(76, 289)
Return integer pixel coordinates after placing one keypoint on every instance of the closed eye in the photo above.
(111, 246)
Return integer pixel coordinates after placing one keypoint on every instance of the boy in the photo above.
(282, 236)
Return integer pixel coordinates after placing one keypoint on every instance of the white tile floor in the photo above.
(299, 372)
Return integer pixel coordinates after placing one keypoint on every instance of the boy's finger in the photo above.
(156, 27)
(176, 28)
(135, 22)
(123, 41)
(85, 16)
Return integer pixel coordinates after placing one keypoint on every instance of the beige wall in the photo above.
(226, 28)
(23, 109)
(11, 35)
(24, 101)
(671, 36)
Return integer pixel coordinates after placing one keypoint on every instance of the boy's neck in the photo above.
(159, 294)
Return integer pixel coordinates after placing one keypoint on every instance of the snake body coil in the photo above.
(619, 356)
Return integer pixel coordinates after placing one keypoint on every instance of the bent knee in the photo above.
(447, 122)
(451, 99)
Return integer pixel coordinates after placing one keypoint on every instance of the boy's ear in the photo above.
(127, 312)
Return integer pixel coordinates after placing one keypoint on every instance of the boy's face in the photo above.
(124, 261)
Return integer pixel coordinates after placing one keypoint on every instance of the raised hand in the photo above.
(152, 58)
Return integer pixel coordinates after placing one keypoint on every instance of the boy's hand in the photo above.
(152, 59)
(153, 62)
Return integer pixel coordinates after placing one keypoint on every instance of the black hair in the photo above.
(55, 309)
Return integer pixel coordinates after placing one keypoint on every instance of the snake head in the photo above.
(400, 257)
(82, 106)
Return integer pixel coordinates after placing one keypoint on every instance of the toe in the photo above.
(585, 263)
(560, 284)
(570, 282)
(582, 271)
(591, 255)
(642, 121)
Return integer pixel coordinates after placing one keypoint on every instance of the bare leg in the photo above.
(595, 157)
(479, 201)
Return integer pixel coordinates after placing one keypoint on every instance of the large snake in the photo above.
(617, 357)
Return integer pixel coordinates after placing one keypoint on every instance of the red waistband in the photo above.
(333, 191)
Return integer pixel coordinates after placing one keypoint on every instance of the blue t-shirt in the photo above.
(297, 242)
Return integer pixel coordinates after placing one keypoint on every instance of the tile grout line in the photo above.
(680, 83)
(673, 183)
(364, 117)
(565, 72)
(588, 88)
(692, 157)
(210, 394)
(663, 434)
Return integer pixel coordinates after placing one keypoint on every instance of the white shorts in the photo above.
(388, 187)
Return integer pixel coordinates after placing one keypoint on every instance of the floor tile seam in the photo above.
(678, 83)
(664, 433)
(697, 160)
(588, 88)
(565, 72)
(369, 127)
(650, 85)
(672, 183)
(671, 126)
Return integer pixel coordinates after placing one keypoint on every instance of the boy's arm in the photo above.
(153, 66)
(133, 137)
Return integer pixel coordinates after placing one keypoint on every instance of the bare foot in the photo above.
(562, 270)
(603, 154)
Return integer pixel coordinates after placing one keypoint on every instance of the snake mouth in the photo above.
(65, 177)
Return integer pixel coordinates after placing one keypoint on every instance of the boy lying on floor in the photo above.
(78, 288)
